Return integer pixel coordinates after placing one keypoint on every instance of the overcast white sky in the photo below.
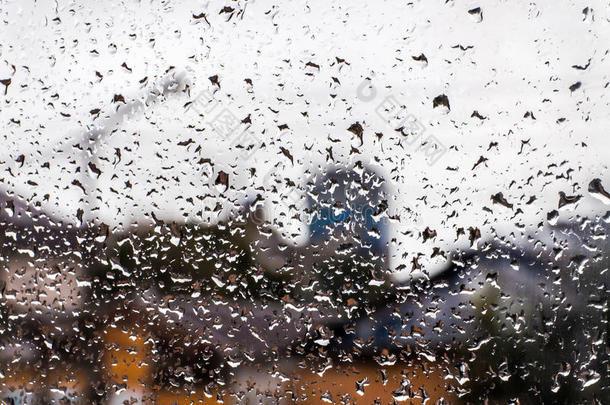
(518, 59)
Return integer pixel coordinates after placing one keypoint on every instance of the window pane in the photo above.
(304, 202)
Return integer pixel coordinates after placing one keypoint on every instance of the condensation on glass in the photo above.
(257, 202)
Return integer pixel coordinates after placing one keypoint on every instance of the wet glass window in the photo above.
(262, 202)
